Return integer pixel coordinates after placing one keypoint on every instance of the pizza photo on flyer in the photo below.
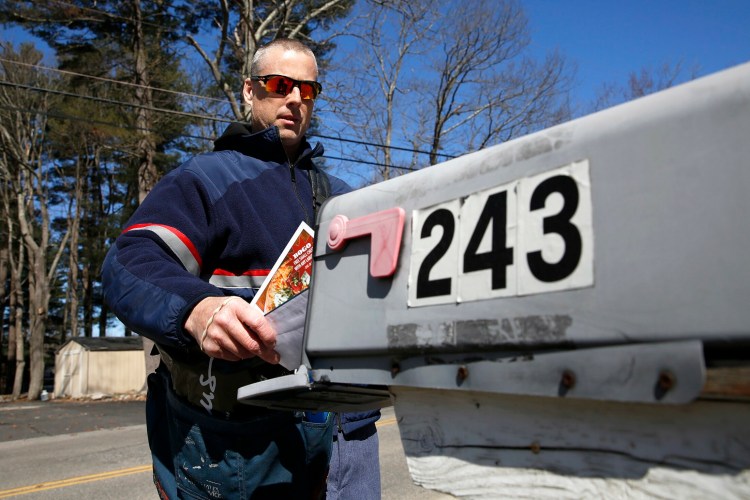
(291, 274)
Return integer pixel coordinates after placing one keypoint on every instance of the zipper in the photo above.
(296, 192)
(310, 220)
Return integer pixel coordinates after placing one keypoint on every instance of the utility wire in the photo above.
(204, 117)
(65, 116)
(112, 80)
(367, 162)
(104, 13)
(99, 11)
(112, 101)
(218, 100)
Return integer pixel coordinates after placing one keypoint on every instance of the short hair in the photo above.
(287, 44)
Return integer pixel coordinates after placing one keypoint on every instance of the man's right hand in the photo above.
(237, 331)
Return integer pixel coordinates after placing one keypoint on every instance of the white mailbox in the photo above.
(581, 296)
(615, 242)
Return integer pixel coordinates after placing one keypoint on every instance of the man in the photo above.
(201, 242)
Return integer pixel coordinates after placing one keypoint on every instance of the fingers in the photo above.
(257, 324)
(234, 330)
(249, 333)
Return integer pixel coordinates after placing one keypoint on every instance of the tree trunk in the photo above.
(38, 303)
(88, 303)
(103, 312)
(17, 320)
(147, 173)
(4, 373)
(74, 223)
(20, 360)
(12, 337)
(34, 222)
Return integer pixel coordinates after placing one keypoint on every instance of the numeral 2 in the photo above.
(425, 286)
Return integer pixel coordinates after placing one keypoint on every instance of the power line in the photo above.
(206, 117)
(105, 13)
(112, 80)
(367, 162)
(373, 144)
(222, 101)
(112, 101)
(65, 116)
(114, 15)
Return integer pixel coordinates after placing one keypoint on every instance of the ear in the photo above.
(247, 90)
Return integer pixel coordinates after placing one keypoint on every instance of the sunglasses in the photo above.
(283, 85)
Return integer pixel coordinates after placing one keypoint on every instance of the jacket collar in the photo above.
(264, 145)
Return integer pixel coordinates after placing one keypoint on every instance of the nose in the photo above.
(295, 96)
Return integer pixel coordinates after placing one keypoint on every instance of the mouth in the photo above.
(288, 120)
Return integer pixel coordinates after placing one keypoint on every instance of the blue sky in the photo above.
(609, 39)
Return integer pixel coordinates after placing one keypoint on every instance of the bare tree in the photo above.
(640, 83)
(365, 84)
(243, 25)
(12, 267)
(27, 168)
(148, 174)
(484, 89)
(4, 277)
(73, 222)
(429, 82)
(15, 329)
(135, 37)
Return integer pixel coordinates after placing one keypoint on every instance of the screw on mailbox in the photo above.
(666, 380)
(567, 382)
(568, 379)
(462, 373)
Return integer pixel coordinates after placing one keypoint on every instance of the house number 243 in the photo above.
(533, 235)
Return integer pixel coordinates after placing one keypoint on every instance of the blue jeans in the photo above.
(200, 456)
(355, 466)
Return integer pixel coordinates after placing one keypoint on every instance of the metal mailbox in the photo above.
(604, 258)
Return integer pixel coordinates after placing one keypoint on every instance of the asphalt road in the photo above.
(73, 450)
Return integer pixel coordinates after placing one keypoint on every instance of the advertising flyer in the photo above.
(289, 279)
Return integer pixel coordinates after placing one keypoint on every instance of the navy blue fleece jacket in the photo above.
(212, 227)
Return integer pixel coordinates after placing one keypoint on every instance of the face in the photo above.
(290, 113)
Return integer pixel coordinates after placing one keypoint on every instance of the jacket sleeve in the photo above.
(151, 275)
(353, 421)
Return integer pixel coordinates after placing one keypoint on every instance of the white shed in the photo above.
(99, 365)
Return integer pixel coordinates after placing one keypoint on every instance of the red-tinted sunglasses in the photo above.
(283, 85)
